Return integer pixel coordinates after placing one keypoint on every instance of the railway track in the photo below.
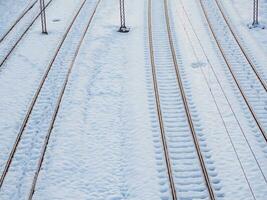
(179, 138)
(38, 123)
(187, 24)
(248, 80)
(239, 43)
(25, 11)
(12, 37)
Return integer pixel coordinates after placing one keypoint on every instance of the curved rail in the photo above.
(30, 109)
(21, 36)
(25, 11)
(233, 74)
(44, 148)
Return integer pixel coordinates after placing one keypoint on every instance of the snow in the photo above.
(105, 119)
(106, 142)
(253, 40)
(187, 173)
(10, 11)
(242, 18)
(223, 127)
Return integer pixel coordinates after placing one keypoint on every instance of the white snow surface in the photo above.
(102, 138)
(241, 15)
(223, 127)
(10, 11)
(20, 76)
(106, 143)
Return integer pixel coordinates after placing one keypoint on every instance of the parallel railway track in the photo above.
(51, 126)
(240, 67)
(159, 59)
(206, 77)
(156, 90)
(39, 101)
(249, 60)
(12, 44)
(25, 11)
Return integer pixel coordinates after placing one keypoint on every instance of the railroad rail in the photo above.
(156, 90)
(58, 105)
(245, 89)
(194, 32)
(180, 90)
(15, 44)
(58, 99)
(252, 65)
(25, 11)
(30, 109)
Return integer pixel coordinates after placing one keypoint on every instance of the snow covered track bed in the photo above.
(258, 70)
(34, 135)
(241, 155)
(7, 30)
(10, 40)
(174, 109)
(188, 170)
(249, 78)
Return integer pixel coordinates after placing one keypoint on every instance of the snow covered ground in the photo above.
(102, 139)
(20, 76)
(218, 98)
(241, 14)
(10, 11)
(105, 143)
(253, 39)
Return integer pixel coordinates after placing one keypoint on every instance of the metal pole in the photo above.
(123, 27)
(43, 16)
(255, 13)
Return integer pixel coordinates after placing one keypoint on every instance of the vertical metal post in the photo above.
(255, 13)
(122, 14)
(43, 16)
(123, 27)
(255, 22)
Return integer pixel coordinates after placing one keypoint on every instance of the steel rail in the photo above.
(263, 82)
(25, 11)
(224, 94)
(233, 74)
(34, 99)
(160, 117)
(49, 132)
(21, 36)
(187, 109)
(215, 101)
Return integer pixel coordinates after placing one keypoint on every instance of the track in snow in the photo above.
(250, 151)
(33, 138)
(249, 81)
(187, 170)
(18, 30)
(21, 16)
(260, 73)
